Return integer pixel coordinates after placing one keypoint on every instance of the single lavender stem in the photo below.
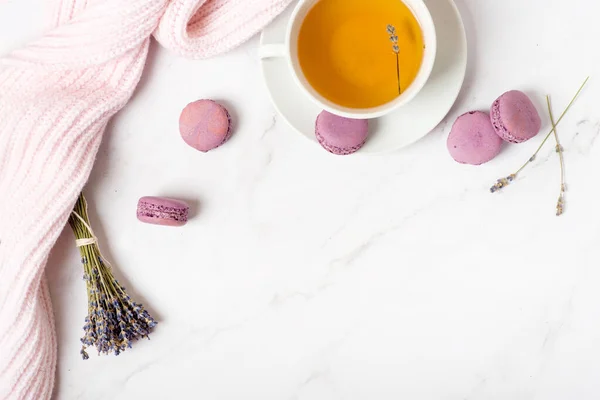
(398, 73)
(560, 205)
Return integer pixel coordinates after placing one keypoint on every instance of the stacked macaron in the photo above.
(476, 137)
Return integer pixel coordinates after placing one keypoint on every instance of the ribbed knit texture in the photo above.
(56, 97)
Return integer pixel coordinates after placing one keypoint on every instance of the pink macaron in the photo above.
(339, 135)
(515, 118)
(205, 125)
(162, 211)
(472, 139)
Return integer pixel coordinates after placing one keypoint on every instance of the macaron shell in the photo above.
(472, 139)
(205, 125)
(515, 118)
(339, 135)
(162, 211)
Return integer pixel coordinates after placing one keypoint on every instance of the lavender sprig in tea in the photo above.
(391, 30)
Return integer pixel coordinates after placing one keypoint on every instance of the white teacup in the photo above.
(289, 50)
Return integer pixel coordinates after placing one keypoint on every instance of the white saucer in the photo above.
(402, 127)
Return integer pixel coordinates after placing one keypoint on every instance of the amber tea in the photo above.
(360, 54)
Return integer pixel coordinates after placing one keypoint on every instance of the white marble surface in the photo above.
(305, 276)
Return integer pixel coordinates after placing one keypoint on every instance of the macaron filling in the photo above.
(499, 127)
(156, 211)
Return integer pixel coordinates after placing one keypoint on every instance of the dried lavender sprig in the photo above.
(391, 30)
(502, 183)
(114, 320)
(495, 188)
(560, 204)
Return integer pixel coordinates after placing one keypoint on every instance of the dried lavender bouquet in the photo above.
(114, 320)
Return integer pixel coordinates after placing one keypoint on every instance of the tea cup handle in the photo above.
(274, 50)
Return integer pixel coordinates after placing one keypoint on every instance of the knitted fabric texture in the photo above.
(56, 97)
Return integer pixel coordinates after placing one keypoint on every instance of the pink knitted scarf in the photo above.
(56, 97)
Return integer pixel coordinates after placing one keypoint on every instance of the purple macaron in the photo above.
(162, 211)
(205, 125)
(472, 139)
(515, 118)
(339, 135)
